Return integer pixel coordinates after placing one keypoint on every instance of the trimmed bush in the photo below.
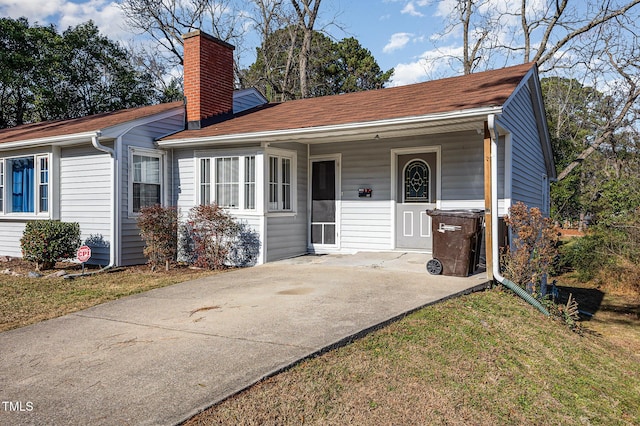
(159, 230)
(47, 241)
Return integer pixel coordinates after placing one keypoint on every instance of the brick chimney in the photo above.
(208, 79)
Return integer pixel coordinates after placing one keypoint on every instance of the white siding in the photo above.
(365, 225)
(10, 234)
(528, 167)
(85, 197)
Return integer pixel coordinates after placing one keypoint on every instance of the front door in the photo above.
(416, 192)
(323, 203)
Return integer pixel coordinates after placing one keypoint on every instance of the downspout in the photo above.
(95, 141)
(493, 130)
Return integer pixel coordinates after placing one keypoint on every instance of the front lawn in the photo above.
(25, 300)
(482, 359)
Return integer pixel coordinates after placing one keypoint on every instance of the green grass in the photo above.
(486, 358)
(26, 300)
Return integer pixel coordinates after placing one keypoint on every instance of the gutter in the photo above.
(493, 130)
(355, 129)
(95, 141)
(56, 140)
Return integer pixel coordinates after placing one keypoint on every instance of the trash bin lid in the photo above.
(471, 213)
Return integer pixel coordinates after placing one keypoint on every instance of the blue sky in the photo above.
(397, 32)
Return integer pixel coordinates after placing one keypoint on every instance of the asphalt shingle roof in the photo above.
(81, 125)
(483, 89)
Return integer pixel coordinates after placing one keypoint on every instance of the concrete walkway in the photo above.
(160, 357)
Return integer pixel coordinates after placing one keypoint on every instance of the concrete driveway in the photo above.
(162, 356)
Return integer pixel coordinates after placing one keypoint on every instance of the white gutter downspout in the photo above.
(95, 141)
(493, 130)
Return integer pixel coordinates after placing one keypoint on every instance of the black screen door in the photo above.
(323, 202)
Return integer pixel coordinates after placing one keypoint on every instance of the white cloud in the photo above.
(397, 41)
(410, 9)
(64, 13)
(410, 73)
(429, 65)
(34, 10)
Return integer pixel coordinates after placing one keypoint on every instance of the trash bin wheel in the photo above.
(434, 267)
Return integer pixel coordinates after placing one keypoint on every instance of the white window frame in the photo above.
(279, 188)
(242, 183)
(38, 170)
(153, 153)
(2, 197)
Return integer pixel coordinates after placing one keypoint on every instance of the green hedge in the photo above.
(47, 241)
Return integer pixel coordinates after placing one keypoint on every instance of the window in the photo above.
(416, 182)
(227, 181)
(205, 181)
(1, 185)
(280, 183)
(24, 184)
(250, 183)
(43, 183)
(146, 181)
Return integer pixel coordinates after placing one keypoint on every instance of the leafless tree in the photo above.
(270, 16)
(619, 64)
(165, 21)
(596, 40)
(307, 12)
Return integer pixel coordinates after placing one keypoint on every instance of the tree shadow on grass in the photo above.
(589, 299)
(592, 300)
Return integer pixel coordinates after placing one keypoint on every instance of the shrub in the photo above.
(533, 248)
(586, 255)
(212, 234)
(47, 241)
(159, 230)
(609, 253)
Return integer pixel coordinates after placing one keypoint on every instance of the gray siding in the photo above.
(85, 197)
(366, 224)
(528, 168)
(131, 245)
(287, 235)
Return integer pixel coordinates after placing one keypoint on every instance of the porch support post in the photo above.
(487, 202)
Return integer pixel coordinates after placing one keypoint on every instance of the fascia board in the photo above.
(340, 129)
(53, 140)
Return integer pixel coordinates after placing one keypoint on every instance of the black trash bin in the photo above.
(457, 240)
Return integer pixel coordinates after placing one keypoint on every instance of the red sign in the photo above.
(84, 253)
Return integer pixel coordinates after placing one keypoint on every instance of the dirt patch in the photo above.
(571, 233)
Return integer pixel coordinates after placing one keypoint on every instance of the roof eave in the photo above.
(107, 132)
(339, 132)
(52, 140)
